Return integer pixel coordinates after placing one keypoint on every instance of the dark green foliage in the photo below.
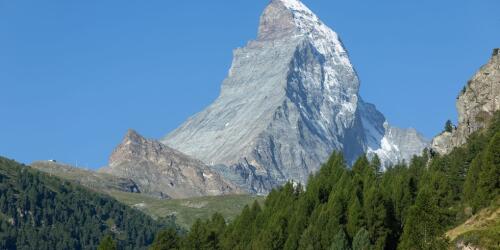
(240, 232)
(355, 216)
(482, 183)
(42, 212)
(207, 234)
(340, 241)
(448, 126)
(167, 239)
(409, 206)
(424, 227)
(489, 176)
(107, 243)
(361, 241)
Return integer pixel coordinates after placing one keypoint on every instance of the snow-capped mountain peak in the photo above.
(291, 99)
(283, 16)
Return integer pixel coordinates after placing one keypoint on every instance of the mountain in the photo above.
(291, 98)
(409, 206)
(162, 171)
(38, 211)
(99, 182)
(476, 104)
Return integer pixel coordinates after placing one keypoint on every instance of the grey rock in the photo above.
(476, 105)
(391, 144)
(291, 98)
(162, 171)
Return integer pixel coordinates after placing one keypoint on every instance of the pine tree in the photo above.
(376, 164)
(167, 239)
(376, 216)
(107, 243)
(218, 223)
(196, 239)
(361, 241)
(424, 228)
(354, 216)
(340, 241)
(241, 232)
(298, 222)
(274, 235)
(448, 127)
(488, 185)
(482, 183)
(471, 184)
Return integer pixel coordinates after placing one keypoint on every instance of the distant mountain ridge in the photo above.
(162, 171)
(99, 182)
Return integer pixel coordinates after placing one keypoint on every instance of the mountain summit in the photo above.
(162, 171)
(291, 98)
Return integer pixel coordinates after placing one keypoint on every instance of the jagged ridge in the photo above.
(99, 182)
(160, 170)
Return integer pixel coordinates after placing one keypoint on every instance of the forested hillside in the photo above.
(38, 211)
(409, 206)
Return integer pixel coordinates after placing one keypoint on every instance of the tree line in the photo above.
(407, 206)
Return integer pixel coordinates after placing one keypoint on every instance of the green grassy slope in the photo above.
(99, 182)
(481, 230)
(188, 210)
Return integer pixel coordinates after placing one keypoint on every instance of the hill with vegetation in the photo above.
(38, 211)
(409, 206)
(187, 211)
(99, 182)
(482, 229)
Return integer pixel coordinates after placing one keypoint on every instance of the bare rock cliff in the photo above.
(476, 105)
(162, 171)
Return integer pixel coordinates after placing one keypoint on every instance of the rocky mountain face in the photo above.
(476, 105)
(291, 98)
(99, 182)
(162, 171)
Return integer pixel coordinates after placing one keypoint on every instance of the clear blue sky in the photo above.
(75, 75)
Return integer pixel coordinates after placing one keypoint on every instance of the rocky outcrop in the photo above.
(290, 100)
(162, 171)
(100, 182)
(476, 104)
